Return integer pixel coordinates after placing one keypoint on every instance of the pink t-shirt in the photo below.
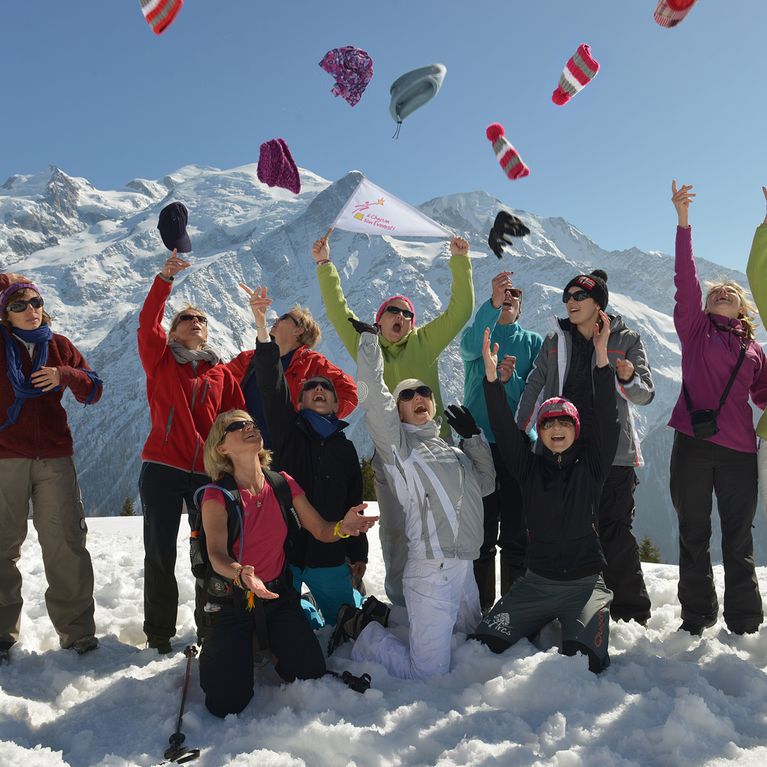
(264, 526)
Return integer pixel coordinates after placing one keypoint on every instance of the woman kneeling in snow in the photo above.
(560, 491)
(263, 600)
(440, 489)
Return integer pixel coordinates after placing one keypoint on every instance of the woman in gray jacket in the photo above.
(440, 488)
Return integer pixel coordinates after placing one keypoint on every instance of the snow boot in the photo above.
(351, 621)
(84, 644)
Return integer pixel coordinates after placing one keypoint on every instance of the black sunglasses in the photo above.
(579, 295)
(515, 292)
(406, 313)
(192, 317)
(289, 316)
(239, 425)
(407, 394)
(315, 382)
(21, 305)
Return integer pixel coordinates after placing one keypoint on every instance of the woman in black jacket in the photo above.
(560, 497)
(310, 445)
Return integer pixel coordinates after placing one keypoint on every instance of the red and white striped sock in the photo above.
(160, 14)
(670, 12)
(509, 158)
(580, 70)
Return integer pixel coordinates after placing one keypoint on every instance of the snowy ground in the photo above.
(667, 699)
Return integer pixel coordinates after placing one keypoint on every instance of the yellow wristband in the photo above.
(337, 530)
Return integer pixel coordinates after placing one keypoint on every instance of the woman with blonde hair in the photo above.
(36, 366)
(187, 387)
(262, 598)
(715, 442)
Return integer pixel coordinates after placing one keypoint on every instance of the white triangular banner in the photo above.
(372, 210)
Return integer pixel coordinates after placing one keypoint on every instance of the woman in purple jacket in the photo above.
(715, 443)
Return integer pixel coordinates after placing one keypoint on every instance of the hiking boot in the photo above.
(84, 645)
(161, 644)
(352, 620)
(696, 629)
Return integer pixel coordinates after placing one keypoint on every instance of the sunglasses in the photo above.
(192, 317)
(515, 292)
(21, 305)
(579, 295)
(289, 316)
(407, 394)
(239, 425)
(315, 382)
(406, 313)
(549, 422)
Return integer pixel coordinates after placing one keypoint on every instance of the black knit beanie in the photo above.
(595, 284)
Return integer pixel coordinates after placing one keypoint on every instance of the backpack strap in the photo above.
(233, 502)
(285, 498)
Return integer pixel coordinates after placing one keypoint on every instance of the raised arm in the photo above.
(757, 265)
(486, 317)
(336, 308)
(151, 336)
(438, 333)
(381, 415)
(536, 382)
(688, 308)
(512, 442)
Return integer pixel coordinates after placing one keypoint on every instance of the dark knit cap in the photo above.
(595, 284)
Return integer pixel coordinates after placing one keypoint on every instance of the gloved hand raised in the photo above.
(363, 327)
(462, 421)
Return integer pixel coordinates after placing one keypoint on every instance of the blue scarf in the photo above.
(22, 387)
(324, 425)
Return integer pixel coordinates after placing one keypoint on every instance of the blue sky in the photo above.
(90, 88)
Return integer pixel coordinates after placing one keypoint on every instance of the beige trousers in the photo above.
(58, 516)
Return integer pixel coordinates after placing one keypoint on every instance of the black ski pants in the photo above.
(164, 490)
(623, 574)
(502, 509)
(226, 661)
(698, 469)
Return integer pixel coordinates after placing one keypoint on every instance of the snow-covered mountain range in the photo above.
(94, 253)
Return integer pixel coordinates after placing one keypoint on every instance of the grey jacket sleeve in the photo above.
(381, 416)
(478, 450)
(640, 389)
(536, 383)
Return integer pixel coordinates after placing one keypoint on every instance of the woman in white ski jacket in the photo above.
(440, 488)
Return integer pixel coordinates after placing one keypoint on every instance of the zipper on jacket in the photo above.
(167, 426)
(559, 461)
(204, 391)
(194, 392)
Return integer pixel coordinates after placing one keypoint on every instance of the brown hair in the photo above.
(747, 313)
(216, 463)
(311, 330)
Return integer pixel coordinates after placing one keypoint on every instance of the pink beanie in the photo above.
(382, 308)
(508, 157)
(581, 68)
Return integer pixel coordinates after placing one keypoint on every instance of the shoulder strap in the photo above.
(285, 498)
(727, 388)
(233, 502)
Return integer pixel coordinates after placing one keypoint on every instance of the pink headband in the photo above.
(383, 306)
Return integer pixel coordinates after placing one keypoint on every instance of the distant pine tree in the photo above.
(368, 480)
(648, 551)
(127, 509)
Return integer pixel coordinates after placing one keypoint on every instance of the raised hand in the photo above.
(259, 303)
(355, 522)
(174, 265)
(506, 368)
(363, 327)
(321, 249)
(459, 247)
(500, 283)
(681, 198)
(462, 421)
(601, 334)
(490, 357)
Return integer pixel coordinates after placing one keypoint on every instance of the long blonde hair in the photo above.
(747, 314)
(215, 462)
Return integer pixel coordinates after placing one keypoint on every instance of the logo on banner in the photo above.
(362, 212)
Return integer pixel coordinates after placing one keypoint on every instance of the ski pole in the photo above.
(176, 752)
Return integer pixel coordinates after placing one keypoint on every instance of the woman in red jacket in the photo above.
(187, 388)
(36, 366)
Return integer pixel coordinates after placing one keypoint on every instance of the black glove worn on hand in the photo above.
(363, 327)
(462, 421)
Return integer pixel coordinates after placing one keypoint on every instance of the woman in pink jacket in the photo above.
(714, 441)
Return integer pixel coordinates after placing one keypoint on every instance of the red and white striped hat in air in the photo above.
(509, 158)
(580, 70)
(670, 12)
(160, 14)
